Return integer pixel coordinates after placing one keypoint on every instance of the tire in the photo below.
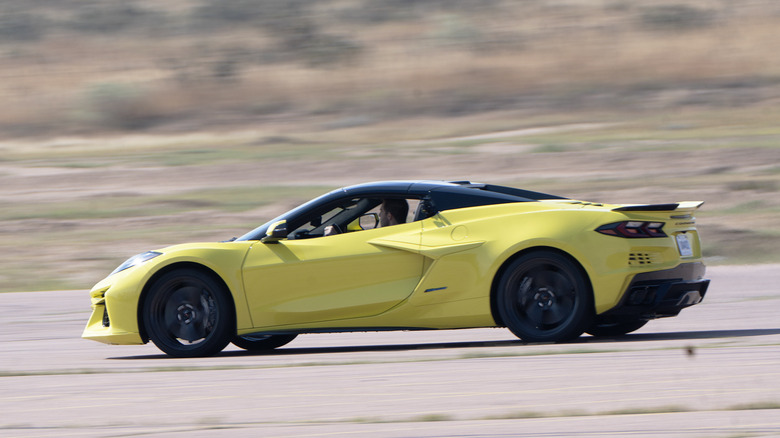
(600, 329)
(260, 342)
(544, 297)
(188, 314)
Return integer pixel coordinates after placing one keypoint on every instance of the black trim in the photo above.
(660, 294)
(648, 207)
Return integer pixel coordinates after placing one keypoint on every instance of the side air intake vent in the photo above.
(642, 258)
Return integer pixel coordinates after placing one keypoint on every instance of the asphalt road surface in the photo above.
(714, 371)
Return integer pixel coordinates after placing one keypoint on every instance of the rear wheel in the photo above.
(543, 297)
(615, 328)
(262, 342)
(188, 314)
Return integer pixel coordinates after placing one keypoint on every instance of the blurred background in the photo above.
(131, 125)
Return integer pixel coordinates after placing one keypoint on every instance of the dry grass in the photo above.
(164, 67)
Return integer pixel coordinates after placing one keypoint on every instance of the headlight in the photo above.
(136, 260)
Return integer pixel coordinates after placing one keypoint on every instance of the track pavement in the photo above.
(714, 371)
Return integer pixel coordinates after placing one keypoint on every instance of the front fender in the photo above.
(117, 298)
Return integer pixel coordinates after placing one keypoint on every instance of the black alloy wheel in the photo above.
(543, 296)
(188, 314)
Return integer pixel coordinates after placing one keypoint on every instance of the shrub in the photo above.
(113, 17)
(21, 26)
(121, 106)
(231, 12)
(675, 17)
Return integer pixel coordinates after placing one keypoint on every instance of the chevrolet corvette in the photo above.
(457, 255)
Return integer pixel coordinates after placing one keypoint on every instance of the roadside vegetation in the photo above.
(130, 125)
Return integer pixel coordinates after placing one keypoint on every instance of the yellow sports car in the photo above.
(406, 255)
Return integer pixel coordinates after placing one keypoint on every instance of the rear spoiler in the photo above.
(687, 205)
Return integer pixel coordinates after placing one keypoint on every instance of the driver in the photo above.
(393, 212)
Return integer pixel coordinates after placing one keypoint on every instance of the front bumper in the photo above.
(660, 294)
(99, 329)
(111, 327)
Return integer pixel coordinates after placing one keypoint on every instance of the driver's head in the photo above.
(393, 212)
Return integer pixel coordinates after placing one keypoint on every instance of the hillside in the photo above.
(86, 66)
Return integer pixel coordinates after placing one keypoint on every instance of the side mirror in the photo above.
(276, 232)
(368, 221)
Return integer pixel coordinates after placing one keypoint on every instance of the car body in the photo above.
(469, 255)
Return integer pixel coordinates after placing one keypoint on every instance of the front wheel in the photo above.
(544, 297)
(188, 314)
(259, 342)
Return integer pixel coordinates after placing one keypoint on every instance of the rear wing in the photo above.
(678, 206)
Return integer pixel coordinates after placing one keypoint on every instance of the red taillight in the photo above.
(633, 229)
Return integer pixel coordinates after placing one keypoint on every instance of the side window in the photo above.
(413, 205)
(394, 211)
(411, 209)
(315, 225)
(355, 214)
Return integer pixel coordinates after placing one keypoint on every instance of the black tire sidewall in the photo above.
(162, 289)
(578, 319)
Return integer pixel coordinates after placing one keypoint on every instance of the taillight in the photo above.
(633, 229)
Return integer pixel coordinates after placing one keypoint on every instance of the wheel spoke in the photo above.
(554, 315)
(186, 314)
(535, 313)
(566, 302)
(190, 332)
(544, 278)
(187, 294)
(172, 324)
(561, 284)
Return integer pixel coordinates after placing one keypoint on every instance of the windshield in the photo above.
(259, 232)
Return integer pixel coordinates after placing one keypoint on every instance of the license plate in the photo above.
(684, 244)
